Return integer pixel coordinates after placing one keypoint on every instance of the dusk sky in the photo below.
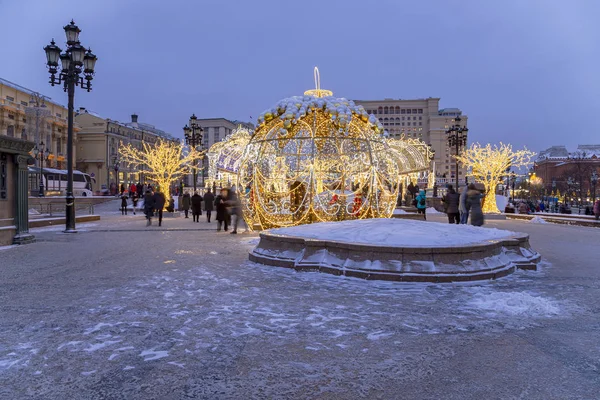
(525, 72)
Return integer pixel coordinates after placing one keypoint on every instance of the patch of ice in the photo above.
(128, 367)
(378, 335)
(102, 345)
(515, 303)
(151, 354)
(88, 373)
(537, 220)
(96, 328)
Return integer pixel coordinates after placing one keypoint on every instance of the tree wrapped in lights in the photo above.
(488, 165)
(163, 162)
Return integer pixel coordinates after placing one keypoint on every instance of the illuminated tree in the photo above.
(163, 162)
(488, 165)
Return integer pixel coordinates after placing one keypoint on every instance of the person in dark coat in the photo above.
(209, 200)
(235, 209)
(159, 205)
(149, 206)
(123, 204)
(474, 198)
(139, 190)
(186, 202)
(451, 202)
(221, 206)
(196, 206)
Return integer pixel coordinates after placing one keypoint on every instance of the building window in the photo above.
(59, 115)
(403, 124)
(380, 110)
(420, 123)
(385, 110)
(10, 98)
(414, 110)
(414, 124)
(420, 111)
(23, 134)
(397, 110)
(10, 116)
(24, 103)
(420, 118)
(408, 111)
(3, 177)
(10, 131)
(59, 146)
(403, 111)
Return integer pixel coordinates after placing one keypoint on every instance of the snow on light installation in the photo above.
(316, 158)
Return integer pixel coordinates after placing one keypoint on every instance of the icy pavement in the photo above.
(124, 311)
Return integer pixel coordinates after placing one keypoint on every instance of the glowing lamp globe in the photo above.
(316, 158)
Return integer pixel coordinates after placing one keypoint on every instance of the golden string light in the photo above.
(488, 165)
(163, 162)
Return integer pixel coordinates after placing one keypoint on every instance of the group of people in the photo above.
(459, 207)
(226, 204)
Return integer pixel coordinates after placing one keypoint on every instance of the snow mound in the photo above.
(399, 211)
(515, 303)
(395, 232)
(432, 210)
(33, 211)
(538, 220)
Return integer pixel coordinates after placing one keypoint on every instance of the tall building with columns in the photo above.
(18, 119)
(422, 119)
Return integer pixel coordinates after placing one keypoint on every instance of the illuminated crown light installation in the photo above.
(316, 158)
(224, 158)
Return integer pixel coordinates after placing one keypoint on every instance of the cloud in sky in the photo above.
(524, 72)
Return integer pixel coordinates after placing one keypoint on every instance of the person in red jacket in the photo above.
(132, 190)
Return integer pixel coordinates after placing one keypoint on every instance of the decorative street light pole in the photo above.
(193, 138)
(73, 60)
(43, 153)
(594, 180)
(457, 138)
(115, 160)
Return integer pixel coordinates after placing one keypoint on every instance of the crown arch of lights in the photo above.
(316, 158)
(224, 158)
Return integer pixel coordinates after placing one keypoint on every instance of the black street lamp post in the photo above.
(457, 138)
(74, 61)
(193, 138)
(594, 180)
(43, 153)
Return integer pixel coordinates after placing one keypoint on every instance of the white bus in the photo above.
(55, 182)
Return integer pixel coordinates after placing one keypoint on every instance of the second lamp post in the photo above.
(193, 138)
(457, 138)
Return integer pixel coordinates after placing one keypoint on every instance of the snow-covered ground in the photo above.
(395, 232)
(122, 311)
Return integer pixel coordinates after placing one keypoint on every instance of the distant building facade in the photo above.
(561, 169)
(421, 119)
(99, 141)
(18, 121)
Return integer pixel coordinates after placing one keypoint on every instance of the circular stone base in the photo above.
(397, 250)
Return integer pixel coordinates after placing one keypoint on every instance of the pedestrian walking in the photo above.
(134, 201)
(139, 190)
(149, 206)
(462, 206)
(159, 204)
(451, 203)
(474, 198)
(123, 204)
(209, 200)
(196, 206)
(421, 203)
(186, 203)
(235, 209)
(221, 207)
(597, 209)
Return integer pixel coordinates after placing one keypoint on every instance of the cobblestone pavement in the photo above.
(122, 311)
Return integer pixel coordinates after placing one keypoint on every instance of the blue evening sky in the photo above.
(524, 71)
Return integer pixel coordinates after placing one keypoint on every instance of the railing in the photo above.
(55, 206)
